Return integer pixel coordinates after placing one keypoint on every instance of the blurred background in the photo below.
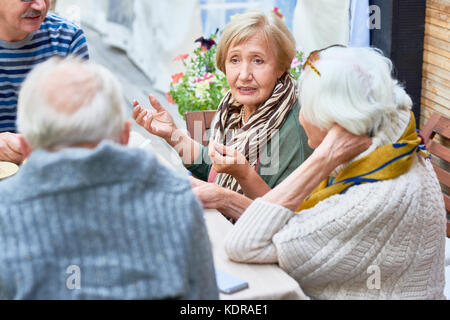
(152, 33)
(138, 39)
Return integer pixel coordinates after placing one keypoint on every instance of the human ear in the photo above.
(125, 135)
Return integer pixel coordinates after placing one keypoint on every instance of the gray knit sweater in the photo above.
(109, 223)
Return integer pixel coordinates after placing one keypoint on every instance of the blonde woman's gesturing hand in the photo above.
(158, 122)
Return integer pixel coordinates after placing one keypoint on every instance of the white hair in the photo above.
(355, 90)
(64, 102)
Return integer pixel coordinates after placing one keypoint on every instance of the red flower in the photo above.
(176, 77)
(181, 57)
(169, 98)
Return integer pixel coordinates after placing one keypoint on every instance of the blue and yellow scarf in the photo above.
(387, 162)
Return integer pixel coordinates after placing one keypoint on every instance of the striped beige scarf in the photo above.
(252, 138)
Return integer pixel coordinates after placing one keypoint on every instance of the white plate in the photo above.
(7, 169)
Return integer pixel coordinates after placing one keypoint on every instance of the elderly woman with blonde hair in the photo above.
(258, 116)
(367, 227)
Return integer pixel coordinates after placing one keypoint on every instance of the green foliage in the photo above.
(202, 86)
(297, 64)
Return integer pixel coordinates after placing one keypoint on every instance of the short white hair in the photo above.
(64, 102)
(355, 90)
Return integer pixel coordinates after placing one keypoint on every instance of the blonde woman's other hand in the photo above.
(228, 160)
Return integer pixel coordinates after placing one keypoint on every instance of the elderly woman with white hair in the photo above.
(367, 227)
(258, 117)
(86, 217)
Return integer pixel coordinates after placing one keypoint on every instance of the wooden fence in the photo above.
(436, 60)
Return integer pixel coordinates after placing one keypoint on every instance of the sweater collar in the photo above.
(78, 168)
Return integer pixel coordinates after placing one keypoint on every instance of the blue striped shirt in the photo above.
(56, 37)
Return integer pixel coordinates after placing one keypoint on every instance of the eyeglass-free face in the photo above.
(252, 71)
(18, 18)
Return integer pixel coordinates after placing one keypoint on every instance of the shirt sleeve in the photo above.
(78, 47)
(202, 165)
(250, 240)
(334, 236)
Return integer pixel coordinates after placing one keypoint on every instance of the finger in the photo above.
(228, 153)
(148, 123)
(140, 118)
(219, 148)
(218, 158)
(211, 147)
(14, 145)
(11, 156)
(225, 151)
(155, 104)
(135, 103)
(137, 109)
(192, 182)
(196, 182)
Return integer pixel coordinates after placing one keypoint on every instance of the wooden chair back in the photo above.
(440, 125)
(198, 123)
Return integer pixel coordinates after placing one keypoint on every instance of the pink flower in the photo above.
(206, 76)
(277, 11)
(295, 63)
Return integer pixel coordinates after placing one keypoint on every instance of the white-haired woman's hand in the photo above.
(341, 146)
(228, 160)
(158, 122)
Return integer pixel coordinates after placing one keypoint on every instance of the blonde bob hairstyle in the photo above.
(64, 102)
(243, 27)
(355, 90)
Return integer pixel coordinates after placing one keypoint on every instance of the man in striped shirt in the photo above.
(28, 36)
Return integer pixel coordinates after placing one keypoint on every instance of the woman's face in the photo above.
(252, 71)
(315, 134)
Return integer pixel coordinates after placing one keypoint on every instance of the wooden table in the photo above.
(266, 282)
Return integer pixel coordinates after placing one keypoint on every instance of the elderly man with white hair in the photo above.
(375, 227)
(28, 36)
(87, 217)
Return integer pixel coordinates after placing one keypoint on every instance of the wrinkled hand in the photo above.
(342, 146)
(12, 148)
(210, 194)
(159, 122)
(228, 160)
(196, 182)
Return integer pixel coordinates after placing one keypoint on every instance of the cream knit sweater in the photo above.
(392, 230)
